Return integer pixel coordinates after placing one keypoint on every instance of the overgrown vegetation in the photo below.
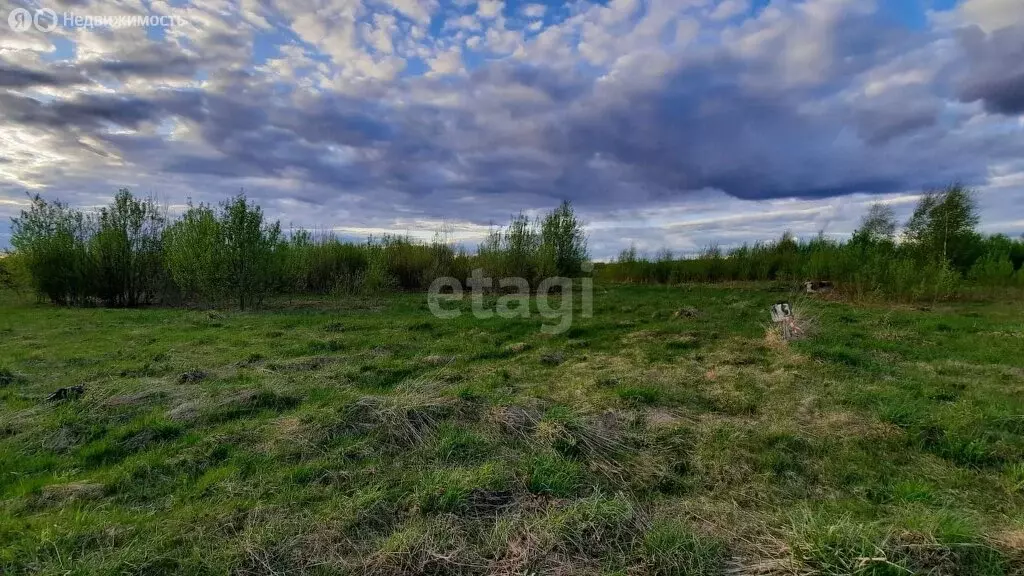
(938, 254)
(365, 436)
(131, 253)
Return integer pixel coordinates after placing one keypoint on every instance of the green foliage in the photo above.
(53, 239)
(563, 244)
(942, 227)
(878, 225)
(127, 252)
(13, 275)
(940, 254)
(513, 251)
(248, 251)
(318, 439)
(992, 270)
(192, 253)
(534, 250)
(322, 266)
(6, 276)
(672, 548)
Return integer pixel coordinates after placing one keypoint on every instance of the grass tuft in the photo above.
(671, 548)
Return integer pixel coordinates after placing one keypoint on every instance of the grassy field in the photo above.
(366, 436)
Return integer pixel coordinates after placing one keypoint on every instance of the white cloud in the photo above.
(416, 10)
(534, 10)
(379, 34)
(447, 62)
(993, 14)
(611, 102)
(619, 11)
(464, 22)
(490, 8)
(729, 8)
(503, 41)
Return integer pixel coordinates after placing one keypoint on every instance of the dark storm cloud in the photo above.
(702, 127)
(337, 119)
(700, 131)
(12, 76)
(145, 63)
(558, 85)
(995, 69)
(152, 65)
(86, 112)
(511, 130)
(92, 112)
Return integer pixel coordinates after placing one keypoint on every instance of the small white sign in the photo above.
(781, 312)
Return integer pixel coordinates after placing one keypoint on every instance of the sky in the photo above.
(668, 123)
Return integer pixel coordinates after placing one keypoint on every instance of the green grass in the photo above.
(360, 436)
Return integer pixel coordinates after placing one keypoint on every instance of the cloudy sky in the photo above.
(669, 123)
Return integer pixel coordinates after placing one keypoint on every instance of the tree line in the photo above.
(936, 255)
(131, 253)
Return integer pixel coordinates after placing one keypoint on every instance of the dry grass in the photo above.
(690, 445)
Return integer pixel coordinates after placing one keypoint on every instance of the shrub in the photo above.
(940, 249)
(942, 227)
(127, 252)
(563, 244)
(192, 254)
(329, 266)
(534, 250)
(13, 275)
(992, 270)
(52, 238)
(248, 251)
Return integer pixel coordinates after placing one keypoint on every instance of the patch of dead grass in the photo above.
(61, 494)
(664, 418)
(437, 360)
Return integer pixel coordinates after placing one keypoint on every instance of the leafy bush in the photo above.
(127, 252)
(992, 270)
(229, 254)
(192, 254)
(326, 266)
(248, 251)
(13, 275)
(53, 240)
(939, 254)
(534, 250)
